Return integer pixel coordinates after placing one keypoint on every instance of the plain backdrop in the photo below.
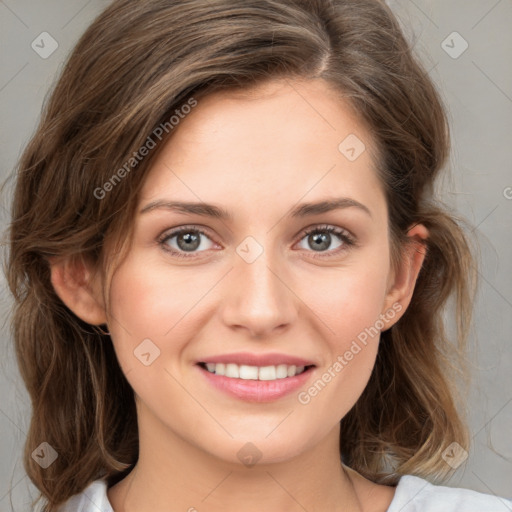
(476, 85)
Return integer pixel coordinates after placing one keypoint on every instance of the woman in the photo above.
(230, 268)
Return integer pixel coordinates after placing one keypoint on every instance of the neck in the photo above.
(172, 472)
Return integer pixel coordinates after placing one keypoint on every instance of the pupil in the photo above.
(188, 241)
(321, 241)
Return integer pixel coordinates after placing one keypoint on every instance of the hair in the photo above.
(131, 70)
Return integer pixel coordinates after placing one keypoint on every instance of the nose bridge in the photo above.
(259, 298)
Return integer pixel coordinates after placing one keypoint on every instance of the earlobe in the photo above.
(404, 282)
(78, 289)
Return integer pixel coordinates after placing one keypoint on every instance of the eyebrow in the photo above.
(211, 210)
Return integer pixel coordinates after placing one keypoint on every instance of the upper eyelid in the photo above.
(320, 227)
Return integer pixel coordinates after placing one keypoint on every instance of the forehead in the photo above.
(281, 140)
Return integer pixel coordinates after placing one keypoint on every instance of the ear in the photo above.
(401, 285)
(79, 289)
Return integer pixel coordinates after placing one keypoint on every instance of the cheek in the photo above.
(349, 300)
(146, 304)
(349, 306)
(149, 324)
(149, 300)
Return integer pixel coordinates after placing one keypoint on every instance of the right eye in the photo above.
(184, 240)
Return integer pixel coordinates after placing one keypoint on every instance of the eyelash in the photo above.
(347, 239)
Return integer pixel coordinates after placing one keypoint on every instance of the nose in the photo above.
(259, 297)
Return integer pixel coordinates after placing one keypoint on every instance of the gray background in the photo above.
(477, 88)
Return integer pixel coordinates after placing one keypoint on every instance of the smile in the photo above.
(256, 383)
(245, 372)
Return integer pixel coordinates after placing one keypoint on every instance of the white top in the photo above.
(412, 494)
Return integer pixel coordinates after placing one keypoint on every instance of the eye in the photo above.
(320, 238)
(185, 240)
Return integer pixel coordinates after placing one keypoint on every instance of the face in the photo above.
(271, 284)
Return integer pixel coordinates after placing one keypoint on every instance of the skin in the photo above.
(256, 155)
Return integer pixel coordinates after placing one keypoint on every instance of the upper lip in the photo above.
(246, 358)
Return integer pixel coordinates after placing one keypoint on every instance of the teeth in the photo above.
(232, 371)
(267, 373)
(246, 372)
(282, 371)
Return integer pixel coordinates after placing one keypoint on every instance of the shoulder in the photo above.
(414, 494)
(92, 499)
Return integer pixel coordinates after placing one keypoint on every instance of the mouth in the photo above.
(261, 373)
(256, 383)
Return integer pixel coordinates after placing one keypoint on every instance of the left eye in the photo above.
(187, 240)
(320, 239)
(190, 240)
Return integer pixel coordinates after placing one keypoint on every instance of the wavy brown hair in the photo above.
(134, 66)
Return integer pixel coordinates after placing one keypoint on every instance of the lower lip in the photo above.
(257, 390)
